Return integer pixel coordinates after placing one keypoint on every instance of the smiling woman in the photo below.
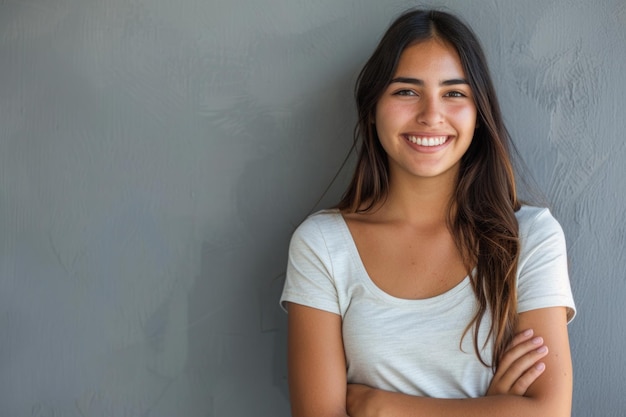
(430, 290)
(425, 119)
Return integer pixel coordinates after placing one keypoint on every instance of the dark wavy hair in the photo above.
(481, 213)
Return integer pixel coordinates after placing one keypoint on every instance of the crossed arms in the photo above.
(529, 382)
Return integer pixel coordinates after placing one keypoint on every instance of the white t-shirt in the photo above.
(414, 346)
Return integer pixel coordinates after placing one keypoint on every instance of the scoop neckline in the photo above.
(365, 278)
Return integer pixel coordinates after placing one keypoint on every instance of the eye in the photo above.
(455, 94)
(405, 93)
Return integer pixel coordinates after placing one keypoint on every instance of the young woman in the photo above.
(430, 290)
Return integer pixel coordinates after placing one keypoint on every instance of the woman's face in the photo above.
(426, 117)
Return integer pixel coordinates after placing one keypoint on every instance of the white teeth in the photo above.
(428, 141)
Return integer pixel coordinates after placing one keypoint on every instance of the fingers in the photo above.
(521, 337)
(520, 366)
(524, 382)
(522, 344)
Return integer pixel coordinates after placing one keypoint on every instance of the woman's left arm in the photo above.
(549, 395)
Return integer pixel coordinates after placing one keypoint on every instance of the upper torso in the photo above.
(414, 344)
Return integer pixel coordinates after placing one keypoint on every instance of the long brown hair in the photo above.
(481, 213)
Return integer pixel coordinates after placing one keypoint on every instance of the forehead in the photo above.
(432, 57)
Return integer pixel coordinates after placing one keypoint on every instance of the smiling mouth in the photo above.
(428, 141)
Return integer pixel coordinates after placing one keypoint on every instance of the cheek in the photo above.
(465, 115)
(389, 114)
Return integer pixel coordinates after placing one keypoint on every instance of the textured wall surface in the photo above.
(155, 157)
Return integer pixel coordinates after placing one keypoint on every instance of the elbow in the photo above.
(552, 407)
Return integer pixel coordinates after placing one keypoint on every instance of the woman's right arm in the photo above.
(317, 364)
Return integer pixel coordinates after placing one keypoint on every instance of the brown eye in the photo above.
(405, 93)
(455, 94)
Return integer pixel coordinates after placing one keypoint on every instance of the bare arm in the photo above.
(317, 365)
(549, 395)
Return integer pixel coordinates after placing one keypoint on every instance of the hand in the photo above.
(358, 400)
(520, 365)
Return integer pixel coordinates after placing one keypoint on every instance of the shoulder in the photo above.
(310, 275)
(529, 216)
(537, 223)
(318, 229)
(543, 278)
(540, 234)
(322, 223)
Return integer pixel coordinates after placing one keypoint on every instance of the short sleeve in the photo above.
(543, 279)
(309, 279)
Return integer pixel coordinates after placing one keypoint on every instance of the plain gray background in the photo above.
(155, 157)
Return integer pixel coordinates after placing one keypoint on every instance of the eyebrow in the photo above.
(416, 81)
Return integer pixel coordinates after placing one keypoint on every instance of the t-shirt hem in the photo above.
(301, 299)
(550, 302)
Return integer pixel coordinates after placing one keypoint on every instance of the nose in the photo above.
(429, 112)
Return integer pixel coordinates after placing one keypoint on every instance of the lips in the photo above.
(427, 141)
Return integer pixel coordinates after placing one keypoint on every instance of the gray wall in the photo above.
(155, 157)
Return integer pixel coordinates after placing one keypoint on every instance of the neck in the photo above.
(419, 201)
